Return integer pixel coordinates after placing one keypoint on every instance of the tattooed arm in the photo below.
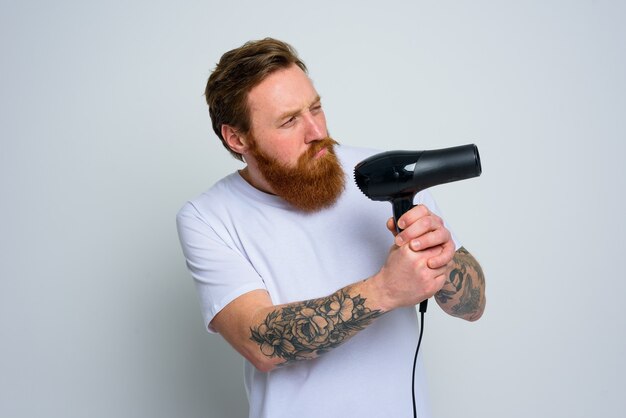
(463, 294)
(270, 336)
(304, 330)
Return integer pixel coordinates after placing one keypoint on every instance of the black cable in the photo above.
(419, 342)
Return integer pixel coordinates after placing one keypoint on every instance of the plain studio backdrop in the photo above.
(105, 134)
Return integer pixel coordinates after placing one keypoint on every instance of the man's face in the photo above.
(286, 115)
(288, 145)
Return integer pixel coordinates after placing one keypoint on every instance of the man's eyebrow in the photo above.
(291, 113)
(317, 99)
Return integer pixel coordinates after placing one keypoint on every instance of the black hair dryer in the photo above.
(397, 176)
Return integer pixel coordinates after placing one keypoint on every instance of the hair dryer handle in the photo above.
(400, 207)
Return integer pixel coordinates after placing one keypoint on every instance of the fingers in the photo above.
(430, 239)
(412, 215)
(434, 281)
(422, 229)
(425, 233)
(442, 259)
(439, 282)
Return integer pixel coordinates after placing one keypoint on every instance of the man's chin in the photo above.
(313, 193)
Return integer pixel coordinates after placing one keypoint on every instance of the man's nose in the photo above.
(315, 127)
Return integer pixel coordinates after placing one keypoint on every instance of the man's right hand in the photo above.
(406, 279)
(416, 266)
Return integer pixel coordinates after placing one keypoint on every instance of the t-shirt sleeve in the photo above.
(425, 198)
(220, 272)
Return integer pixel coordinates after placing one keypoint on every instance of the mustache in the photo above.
(317, 146)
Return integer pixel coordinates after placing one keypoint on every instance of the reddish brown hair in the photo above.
(238, 71)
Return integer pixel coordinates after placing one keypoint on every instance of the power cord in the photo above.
(422, 309)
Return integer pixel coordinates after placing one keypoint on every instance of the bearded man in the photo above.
(297, 270)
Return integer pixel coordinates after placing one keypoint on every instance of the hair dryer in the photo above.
(397, 176)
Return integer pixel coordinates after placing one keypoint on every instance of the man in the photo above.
(293, 264)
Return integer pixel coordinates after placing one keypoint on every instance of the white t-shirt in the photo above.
(237, 239)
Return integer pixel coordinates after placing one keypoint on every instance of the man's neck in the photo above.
(258, 182)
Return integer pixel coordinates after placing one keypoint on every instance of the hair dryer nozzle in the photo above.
(447, 165)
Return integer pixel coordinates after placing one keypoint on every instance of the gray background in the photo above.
(104, 135)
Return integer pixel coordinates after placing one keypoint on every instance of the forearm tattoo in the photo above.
(465, 286)
(305, 330)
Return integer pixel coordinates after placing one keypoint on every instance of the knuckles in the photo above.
(420, 223)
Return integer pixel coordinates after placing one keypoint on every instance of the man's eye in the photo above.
(289, 121)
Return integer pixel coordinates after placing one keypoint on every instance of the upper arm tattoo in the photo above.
(307, 329)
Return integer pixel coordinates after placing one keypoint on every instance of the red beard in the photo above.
(313, 184)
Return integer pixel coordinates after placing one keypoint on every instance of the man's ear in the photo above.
(234, 139)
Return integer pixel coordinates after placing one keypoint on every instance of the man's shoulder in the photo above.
(215, 196)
